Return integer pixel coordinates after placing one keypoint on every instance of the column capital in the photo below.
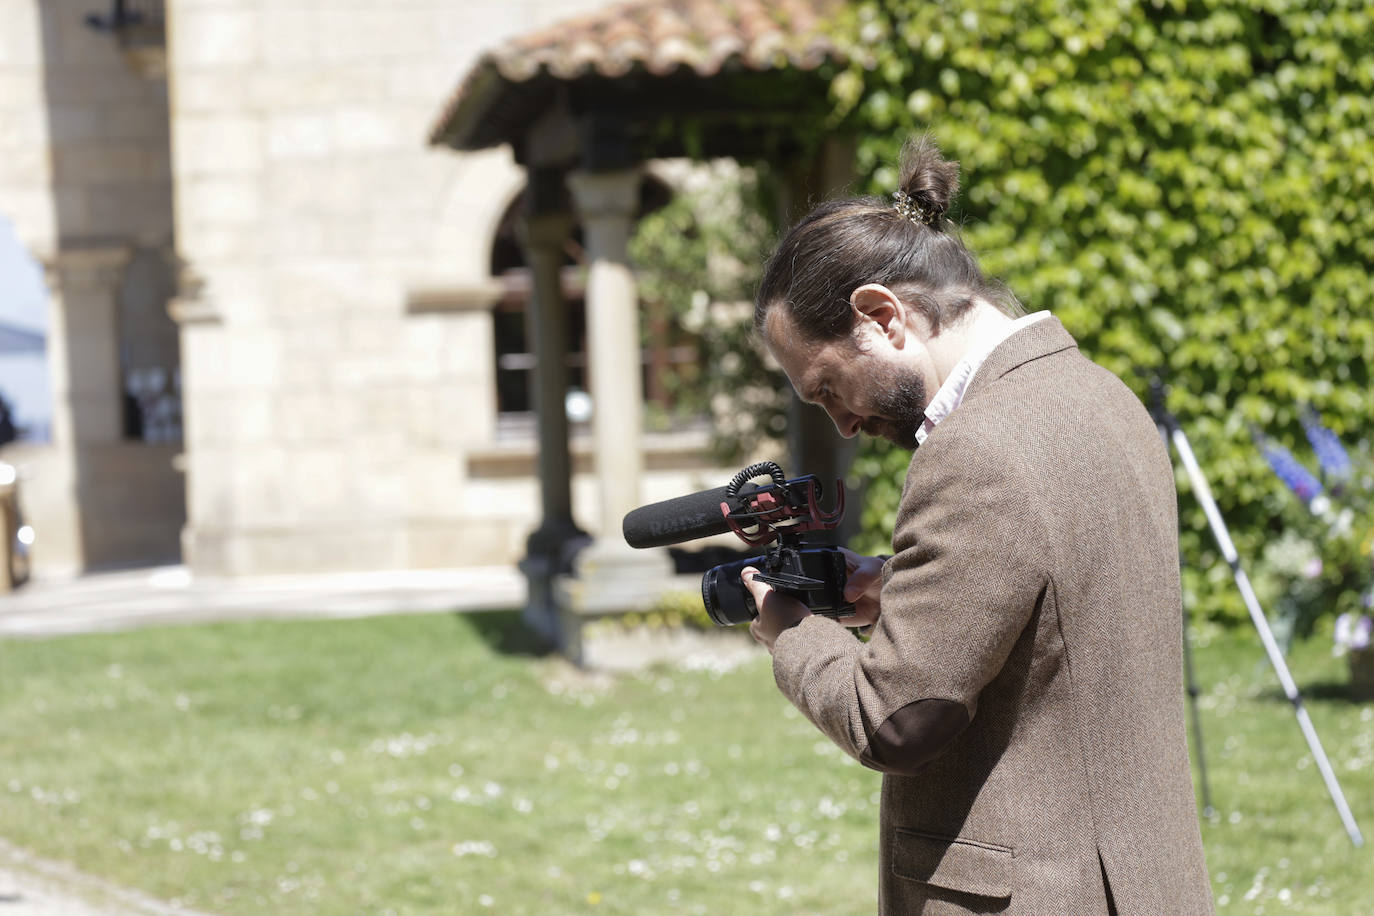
(101, 264)
(606, 194)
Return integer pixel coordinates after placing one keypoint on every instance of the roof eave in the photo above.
(458, 125)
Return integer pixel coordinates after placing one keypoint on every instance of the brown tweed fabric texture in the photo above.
(1035, 582)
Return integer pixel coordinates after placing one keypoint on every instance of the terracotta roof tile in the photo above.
(661, 37)
(706, 33)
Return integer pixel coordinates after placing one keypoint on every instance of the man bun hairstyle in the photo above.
(905, 243)
(928, 180)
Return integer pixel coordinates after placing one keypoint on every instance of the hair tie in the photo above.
(907, 206)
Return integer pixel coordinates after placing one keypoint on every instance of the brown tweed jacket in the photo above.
(1022, 690)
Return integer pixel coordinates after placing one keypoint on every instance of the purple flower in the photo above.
(1298, 478)
(1361, 633)
(1330, 453)
(1354, 632)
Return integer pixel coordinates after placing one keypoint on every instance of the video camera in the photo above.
(777, 513)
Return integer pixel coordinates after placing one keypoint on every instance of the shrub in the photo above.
(1187, 185)
(697, 262)
(1323, 564)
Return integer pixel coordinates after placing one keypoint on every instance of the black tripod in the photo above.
(1170, 431)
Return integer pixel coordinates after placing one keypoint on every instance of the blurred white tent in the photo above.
(24, 381)
(16, 339)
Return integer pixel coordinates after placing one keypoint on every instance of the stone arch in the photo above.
(474, 204)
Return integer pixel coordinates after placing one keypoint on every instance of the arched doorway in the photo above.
(511, 316)
(149, 349)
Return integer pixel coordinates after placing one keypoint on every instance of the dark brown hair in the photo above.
(843, 244)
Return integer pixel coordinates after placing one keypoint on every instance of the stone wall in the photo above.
(25, 167)
(332, 423)
(330, 280)
(85, 177)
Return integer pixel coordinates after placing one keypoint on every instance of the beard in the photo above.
(900, 396)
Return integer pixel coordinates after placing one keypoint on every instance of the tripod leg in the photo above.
(1271, 646)
(1190, 683)
(1207, 810)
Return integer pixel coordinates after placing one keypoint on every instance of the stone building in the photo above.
(86, 181)
(285, 327)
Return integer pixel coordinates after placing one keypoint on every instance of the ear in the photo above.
(878, 309)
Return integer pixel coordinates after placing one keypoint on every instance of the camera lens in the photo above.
(727, 601)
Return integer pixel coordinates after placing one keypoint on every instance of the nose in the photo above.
(846, 423)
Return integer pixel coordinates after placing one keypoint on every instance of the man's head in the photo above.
(856, 292)
(877, 380)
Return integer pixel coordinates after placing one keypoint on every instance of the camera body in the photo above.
(774, 514)
(813, 575)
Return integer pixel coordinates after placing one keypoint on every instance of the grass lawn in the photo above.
(429, 764)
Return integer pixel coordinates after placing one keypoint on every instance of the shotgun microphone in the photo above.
(777, 513)
(684, 518)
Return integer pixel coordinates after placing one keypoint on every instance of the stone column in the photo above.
(83, 344)
(551, 547)
(607, 202)
(613, 577)
(813, 444)
(87, 393)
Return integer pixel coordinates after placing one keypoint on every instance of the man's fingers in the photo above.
(859, 584)
(756, 588)
(864, 573)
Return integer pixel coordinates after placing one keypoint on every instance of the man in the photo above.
(1022, 685)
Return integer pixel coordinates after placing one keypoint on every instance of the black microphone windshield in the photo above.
(686, 518)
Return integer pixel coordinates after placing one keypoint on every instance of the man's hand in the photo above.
(777, 612)
(862, 588)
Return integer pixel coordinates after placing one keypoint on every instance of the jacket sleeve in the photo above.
(967, 573)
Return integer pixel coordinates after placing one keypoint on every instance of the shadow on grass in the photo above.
(504, 631)
(1327, 691)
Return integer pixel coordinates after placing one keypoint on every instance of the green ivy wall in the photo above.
(1188, 186)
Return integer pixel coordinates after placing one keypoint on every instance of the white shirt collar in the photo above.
(951, 393)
